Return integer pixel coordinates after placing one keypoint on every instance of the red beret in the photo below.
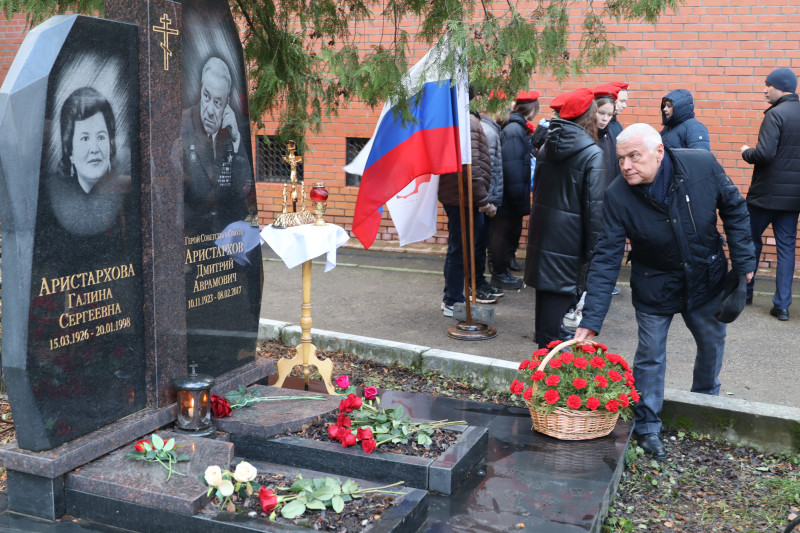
(621, 84)
(558, 101)
(608, 89)
(527, 96)
(577, 103)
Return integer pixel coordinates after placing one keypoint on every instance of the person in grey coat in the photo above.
(492, 131)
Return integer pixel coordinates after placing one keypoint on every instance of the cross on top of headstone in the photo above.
(193, 366)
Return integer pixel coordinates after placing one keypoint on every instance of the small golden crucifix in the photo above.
(167, 31)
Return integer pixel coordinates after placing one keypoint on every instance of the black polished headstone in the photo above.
(72, 233)
(222, 264)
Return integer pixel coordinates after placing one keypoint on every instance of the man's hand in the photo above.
(744, 147)
(749, 276)
(584, 334)
(489, 210)
(229, 121)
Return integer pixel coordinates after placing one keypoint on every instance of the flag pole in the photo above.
(467, 331)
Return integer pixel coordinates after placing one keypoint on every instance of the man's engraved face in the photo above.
(213, 99)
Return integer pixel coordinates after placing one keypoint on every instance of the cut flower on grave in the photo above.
(364, 421)
(156, 450)
(222, 406)
(582, 377)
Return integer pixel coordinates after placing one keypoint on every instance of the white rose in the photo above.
(244, 472)
(213, 476)
(225, 488)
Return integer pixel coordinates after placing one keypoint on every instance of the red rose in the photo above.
(551, 396)
(523, 365)
(601, 381)
(370, 393)
(364, 434)
(516, 386)
(350, 403)
(634, 395)
(541, 352)
(579, 383)
(343, 420)
(580, 362)
(530, 126)
(553, 344)
(335, 432)
(555, 362)
(593, 403)
(623, 400)
(597, 362)
(140, 445)
(588, 348)
(348, 439)
(528, 393)
(567, 357)
(552, 381)
(602, 347)
(343, 382)
(369, 445)
(220, 406)
(268, 499)
(538, 375)
(355, 401)
(612, 406)
(574, 402)
(614, 375)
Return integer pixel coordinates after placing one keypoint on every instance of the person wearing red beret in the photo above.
(507, 224)
(615, 127)
(566, 215)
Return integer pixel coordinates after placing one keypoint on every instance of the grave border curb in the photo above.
(767, 427)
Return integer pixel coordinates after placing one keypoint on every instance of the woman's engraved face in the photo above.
(91, 148)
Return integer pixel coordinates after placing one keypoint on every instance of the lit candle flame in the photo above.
(191, 407)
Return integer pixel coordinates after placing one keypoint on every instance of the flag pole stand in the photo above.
(467, 330)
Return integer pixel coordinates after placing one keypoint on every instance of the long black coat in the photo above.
(517, 153)
(776, 158)
(568, 190)
(677, 256)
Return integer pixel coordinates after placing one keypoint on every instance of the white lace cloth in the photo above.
(297, 244)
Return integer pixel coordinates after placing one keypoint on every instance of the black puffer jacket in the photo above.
(776, 174)
(677, 256)
(481, 171)
(567, 209)
(682, 130)
(608, 144)
(517, 152)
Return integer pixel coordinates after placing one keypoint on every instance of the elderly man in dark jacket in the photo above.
(681, 129)
(449, 197)
(667, 206)
(774, 196)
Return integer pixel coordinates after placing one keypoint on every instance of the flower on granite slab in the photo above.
(156, 450)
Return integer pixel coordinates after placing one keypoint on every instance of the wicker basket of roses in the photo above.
(576, 390)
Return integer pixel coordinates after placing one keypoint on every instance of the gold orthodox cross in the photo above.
(167, 31)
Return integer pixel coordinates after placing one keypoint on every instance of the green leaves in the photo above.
(159, 452)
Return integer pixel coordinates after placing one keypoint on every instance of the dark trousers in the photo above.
(454, 260)
(550, 310)
(504, 231)
(784, 226)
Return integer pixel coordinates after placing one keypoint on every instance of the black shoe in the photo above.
(484, 296)
(513, 266)
(780, 314)
(651, 443)
(494, 291)
(506, 281)
(748, 300)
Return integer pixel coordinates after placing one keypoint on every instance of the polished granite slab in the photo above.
(529, 479)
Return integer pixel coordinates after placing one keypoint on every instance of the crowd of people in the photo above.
(595, 190)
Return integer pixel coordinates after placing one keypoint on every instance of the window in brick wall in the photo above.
(354, 145)
(270, 165)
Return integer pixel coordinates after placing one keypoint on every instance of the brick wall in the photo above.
(720, 50)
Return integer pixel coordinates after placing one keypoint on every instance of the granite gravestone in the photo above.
(222, 241)
(73, 352)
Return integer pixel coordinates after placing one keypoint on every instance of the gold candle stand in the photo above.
(306, 355)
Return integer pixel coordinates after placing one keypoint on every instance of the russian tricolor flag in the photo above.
(437, 142)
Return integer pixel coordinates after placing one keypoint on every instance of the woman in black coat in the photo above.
(507, 224)
(566, 215)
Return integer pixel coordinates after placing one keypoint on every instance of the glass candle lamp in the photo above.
(319, 195)
(194, 405)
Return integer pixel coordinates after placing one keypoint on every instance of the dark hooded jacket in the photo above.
(567, 209)
(481, 171)
(608, 144)
(682, 130)
(517, 153)
(677, 257)
(776, 158)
